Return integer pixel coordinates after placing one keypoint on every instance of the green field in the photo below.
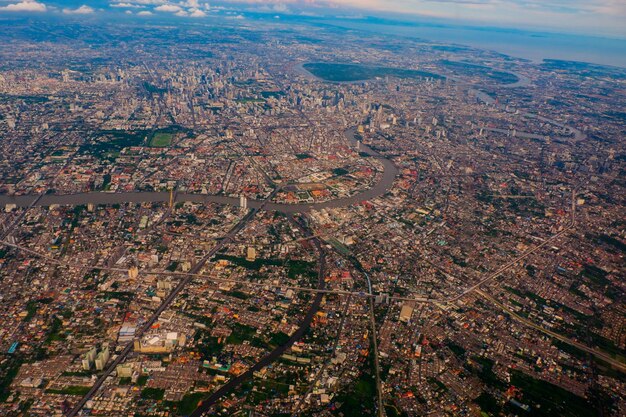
(547, 399)
(240, 334)
(295, 267)
(108, 143)
(189, 403)
(155, 394)
(71, 390)
(357, 72)
(161, 139)
(466, 68)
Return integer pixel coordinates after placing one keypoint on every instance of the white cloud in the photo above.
(144, 13)
(169, 8)
(187, 8)
(196, 13)
(84, 9)
(194, 8)
(149, 1)
(127, 5)
(25, 6)
(580, 16)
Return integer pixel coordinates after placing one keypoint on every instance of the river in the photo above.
(389, 174)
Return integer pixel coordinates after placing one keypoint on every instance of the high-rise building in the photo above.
(102, 359)
(89, 358)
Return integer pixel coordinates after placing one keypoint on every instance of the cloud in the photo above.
(453, 6)
(144, 13)
(579, 16)
(25, 6)
(127, 5)
(169, 8)
(149, 2)
(280, 7)
(196, 13)
(188, 8)
(612, 7)
(84, 9)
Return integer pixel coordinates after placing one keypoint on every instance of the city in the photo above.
(250, 217)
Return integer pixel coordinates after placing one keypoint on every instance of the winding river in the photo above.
(381, 187)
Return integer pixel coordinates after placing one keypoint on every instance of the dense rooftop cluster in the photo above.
(195, 223)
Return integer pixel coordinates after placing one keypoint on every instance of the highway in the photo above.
(379, 387)
(598, 354)
(509, 264)
(320, 291)
(389, 174)
(6, 230)
(370, 295)
(320, 373)
(164, 305)
(205, 407)
(261, 285)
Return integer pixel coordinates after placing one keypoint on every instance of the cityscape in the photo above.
(236, 213)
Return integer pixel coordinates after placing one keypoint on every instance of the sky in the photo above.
(598, 17)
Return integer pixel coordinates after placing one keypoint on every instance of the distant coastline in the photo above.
(532, 46)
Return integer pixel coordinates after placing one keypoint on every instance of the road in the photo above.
(320, 373)
(389, 174)
(164, 305)
(600, 355)
(6, 230)
(379, 387)
(370, 295)
(509, 264)
(205, 407)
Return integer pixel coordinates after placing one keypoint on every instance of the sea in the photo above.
(533, 46)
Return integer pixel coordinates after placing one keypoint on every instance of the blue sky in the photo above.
(600, 17)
